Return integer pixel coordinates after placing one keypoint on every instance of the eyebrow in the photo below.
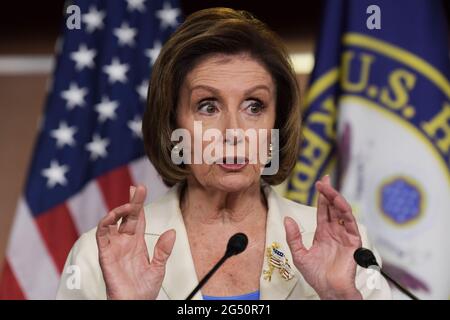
(215, 91)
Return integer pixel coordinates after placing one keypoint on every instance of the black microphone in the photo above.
(236, 245)
(366, 259)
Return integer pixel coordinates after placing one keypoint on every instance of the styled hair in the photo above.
(221, 31)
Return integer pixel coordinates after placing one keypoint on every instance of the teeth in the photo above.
(234, 160)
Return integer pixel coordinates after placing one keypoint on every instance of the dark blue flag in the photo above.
(377, 116)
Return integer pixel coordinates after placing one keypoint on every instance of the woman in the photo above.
(225, 70)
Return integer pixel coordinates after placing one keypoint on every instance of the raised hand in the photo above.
(123, 255)
(328, 265)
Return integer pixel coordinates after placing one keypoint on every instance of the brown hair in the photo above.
(218, 30)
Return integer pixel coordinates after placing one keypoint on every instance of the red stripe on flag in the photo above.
(59, 233)
(9, 286)
(115, 187)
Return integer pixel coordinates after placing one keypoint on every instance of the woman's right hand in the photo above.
(123, 255)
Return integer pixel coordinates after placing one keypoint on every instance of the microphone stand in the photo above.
(236, 244)
(398, 285)
(208, 275)
(366, 259)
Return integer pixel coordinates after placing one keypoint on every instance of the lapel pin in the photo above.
(277, 260)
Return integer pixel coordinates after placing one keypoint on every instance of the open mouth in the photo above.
(233, 163)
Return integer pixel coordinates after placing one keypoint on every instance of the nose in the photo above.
(233, 137)
(233, 134)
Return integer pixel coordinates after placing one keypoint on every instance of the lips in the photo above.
(233, 163)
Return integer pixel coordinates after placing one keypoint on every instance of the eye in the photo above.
(207, 107)
(254, 107)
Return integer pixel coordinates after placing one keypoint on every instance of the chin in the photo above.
(234, 182)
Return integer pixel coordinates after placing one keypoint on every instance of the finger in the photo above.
(130, 222)
(132, 192)
(102, 237)
(325, 182)
(352, 228)
(294, 238)
(139, 196)
(323, 212)
(108, 224)
(124, 219)
(340, 208)
(162, 251)
(326, 202)
(140, 227)
(161, 254)
(350, 224)
(114, 215)
(326, 179)
(333, 196)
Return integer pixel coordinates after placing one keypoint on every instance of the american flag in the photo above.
(89, 148)
(277, 258)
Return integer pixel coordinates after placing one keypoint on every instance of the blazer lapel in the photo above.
(181, 277)
(277, 288)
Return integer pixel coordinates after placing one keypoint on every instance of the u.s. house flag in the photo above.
(89, 148)
(378, 111)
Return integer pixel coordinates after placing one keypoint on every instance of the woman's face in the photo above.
(228, 92)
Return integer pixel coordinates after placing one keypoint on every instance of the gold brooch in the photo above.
(276, 259)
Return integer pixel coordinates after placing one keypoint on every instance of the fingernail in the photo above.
(132, 191)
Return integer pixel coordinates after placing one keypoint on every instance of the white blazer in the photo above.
(181, 278)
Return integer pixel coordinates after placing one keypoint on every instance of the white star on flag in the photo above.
(135, 126)
(55, 174)
(64, 135)
(142, 90)
(89, 142)
(93, 19)
(125, 34)
(97, 147)
(74, 96)
(106, 109)
(84, 57)
(136, 5)
(116, 71)
(168, 16)
(153, 53)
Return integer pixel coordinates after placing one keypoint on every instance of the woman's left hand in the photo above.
(328, 266)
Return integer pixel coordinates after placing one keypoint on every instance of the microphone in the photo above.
(236, 245)
(366, 259)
